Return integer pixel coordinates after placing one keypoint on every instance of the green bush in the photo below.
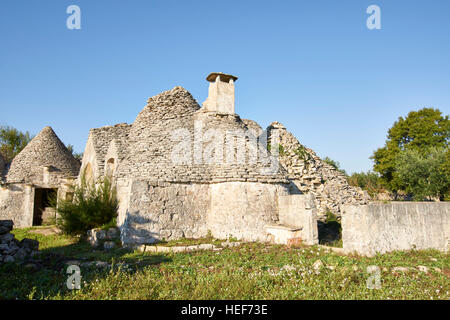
(369, 181)
(93, 205)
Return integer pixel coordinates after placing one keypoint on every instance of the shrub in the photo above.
(369, 181)
(93, 205)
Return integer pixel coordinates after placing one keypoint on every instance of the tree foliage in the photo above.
(424, 174)
(419, 131)
(12, 141)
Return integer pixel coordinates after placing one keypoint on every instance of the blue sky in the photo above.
(312, 65)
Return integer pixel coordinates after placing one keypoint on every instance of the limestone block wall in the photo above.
(243, 209)
(154, 211)
(157, 210)
(299, 211)
(379, 227)
(16, 204)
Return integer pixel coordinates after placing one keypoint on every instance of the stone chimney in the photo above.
(221, 93)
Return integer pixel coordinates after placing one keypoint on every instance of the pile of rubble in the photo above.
(311, 174)
(13, 250)
(104, 239)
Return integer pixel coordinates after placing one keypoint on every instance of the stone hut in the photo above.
(43, 168)
(183, 170)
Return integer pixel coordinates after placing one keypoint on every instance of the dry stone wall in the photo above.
(101, 139)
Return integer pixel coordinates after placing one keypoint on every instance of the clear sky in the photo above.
(312, 65)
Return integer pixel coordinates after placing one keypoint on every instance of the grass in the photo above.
(250, 271)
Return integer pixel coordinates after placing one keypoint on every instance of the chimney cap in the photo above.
(223, 77)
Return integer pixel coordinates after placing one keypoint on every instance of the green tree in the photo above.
(420, 131)
(78, 156)
(12, 141)
(424, 174)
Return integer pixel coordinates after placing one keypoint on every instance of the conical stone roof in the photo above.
(44, 150)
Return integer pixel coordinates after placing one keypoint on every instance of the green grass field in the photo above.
(250, 271)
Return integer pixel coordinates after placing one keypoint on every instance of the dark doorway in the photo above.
(42, 204)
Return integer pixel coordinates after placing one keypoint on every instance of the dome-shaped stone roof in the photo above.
(162, 144)
(167, 105)
(44, 150)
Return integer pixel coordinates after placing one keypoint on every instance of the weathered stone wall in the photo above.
(99, 143)
(299, 211)
(379, 227)
(2, 168)
(16, 204)
(243, 209)
(153, 211)
(312, 175)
